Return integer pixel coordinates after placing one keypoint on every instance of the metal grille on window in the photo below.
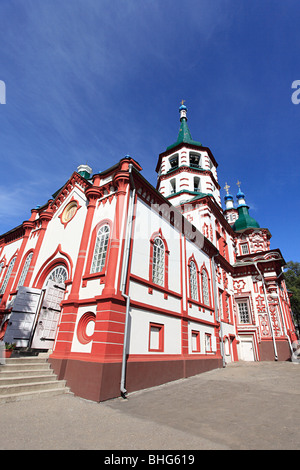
(243, 312)
(100, 249)
(158, 274)
(205, 288)
(25, 270)
(245, 249)
(193, 281)
(6, 279)
(59, 275)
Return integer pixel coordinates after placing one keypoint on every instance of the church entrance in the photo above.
(35, 314)
(247, 349)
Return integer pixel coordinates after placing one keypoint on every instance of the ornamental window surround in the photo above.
(205, 287)
(193, 281)
(100, 250)
(158, 271)
(59, 274)
(25, 270)
(158, 266)
(173, 162)
(243, 311)
(7, 276)
(195, 160)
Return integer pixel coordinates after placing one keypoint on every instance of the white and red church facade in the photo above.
(130, 286)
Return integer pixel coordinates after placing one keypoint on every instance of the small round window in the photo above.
(69, 212)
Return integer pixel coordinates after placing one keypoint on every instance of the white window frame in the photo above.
(158, 263)
(193, 281)
(25, 270)
(242, 313)
(8, 274)
(100, 250)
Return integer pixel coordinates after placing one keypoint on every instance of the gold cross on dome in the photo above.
(238, 183)
(226, 187)
(182, 102)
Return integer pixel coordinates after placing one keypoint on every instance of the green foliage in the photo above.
(292, 280)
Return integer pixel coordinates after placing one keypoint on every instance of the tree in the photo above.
(292, 280)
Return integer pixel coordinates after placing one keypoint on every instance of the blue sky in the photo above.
(89, 81)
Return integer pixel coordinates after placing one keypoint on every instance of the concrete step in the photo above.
(14, 366)
(25, 377)
(26, 359)
(30, 395)
(4, 372)
(31, 386)
(21, 379)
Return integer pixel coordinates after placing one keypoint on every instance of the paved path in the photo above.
(244, 406)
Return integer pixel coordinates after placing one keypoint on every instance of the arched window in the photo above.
(25, 270)
(59, 274)
(7, 276)
(158, 272)
(100, 249)
(205, 287)
(193, 281)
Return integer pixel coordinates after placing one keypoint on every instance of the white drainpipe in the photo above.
(269, 315)
(124, 280)
(216, 309)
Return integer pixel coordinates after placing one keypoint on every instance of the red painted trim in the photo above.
(21, 270)
(82, 335)
(152, 285)
(192, 258)
(92, 194)
(203, 268)
(78, 206)
(161, 332)
(156, 309)
(155, 235)
(50, 264)
(6, 293)
(88, 275)
(197, 334)
(208, 337)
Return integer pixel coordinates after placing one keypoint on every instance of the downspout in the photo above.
(216, 309)
(269, 315)
(124, 279)
(282, 319)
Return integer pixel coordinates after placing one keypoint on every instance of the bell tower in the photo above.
(187, 170)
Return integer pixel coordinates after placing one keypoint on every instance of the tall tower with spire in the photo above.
(230, 212)
(187, 170)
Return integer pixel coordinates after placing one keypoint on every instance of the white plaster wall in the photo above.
(76, 345)
(139, 293)
(139, 332)
(148, 222)
(203, 329)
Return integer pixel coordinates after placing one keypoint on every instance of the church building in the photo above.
(128, 286)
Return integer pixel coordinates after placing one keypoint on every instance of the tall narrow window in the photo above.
(173, 186)
(59, 274)
(244, 315)
(193, 281)
(173, 162)
(205, 288)
(158, 273)
(25, 270)
(8, 274)
(194, 160)
(100, 249)
(197, 184)
(156, 337)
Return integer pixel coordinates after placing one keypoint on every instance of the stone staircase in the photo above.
(26, 377)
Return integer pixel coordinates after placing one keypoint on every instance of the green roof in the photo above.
(244, 220)
(184, 136)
